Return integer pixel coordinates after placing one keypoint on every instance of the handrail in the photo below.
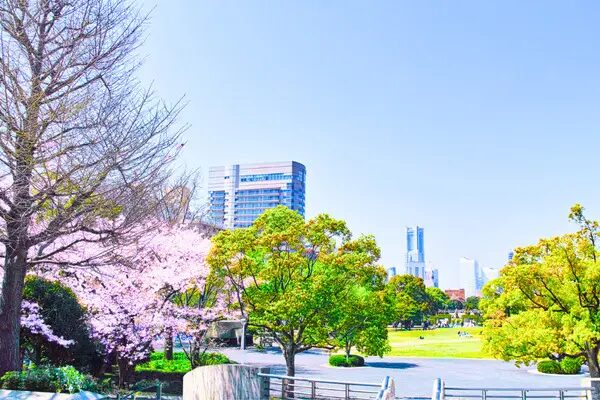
(296, 378)
(562, 393)
(438, 389)
(288, 387)
(554, 389)
(156, 383)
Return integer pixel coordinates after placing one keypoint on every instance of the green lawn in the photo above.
(437, 343)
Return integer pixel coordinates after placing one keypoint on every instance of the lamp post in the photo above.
(243, 320)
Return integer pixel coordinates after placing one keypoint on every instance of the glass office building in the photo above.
(239, 193)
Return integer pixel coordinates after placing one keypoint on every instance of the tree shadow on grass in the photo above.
(390, 365)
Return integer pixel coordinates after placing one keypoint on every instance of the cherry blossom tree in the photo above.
(79, 137)
(158, 283)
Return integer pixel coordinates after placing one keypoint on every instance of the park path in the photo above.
(413, 376)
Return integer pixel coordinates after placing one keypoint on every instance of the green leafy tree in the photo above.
(62, 311)
(360, 320)
(472, 303)
(455, 304)
(437, 300)
(546, 302)
(410, 298)
(290, 275)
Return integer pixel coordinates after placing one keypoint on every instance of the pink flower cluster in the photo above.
(131, 297)
(34, 323)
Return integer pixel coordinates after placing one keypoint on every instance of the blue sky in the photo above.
(476, 120)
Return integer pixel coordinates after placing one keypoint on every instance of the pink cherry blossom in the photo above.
(32, 321)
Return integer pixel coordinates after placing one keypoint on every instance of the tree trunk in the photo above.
(290, 363)
(125, 371)
(348, 349)
(594, 367)
(169, 344)
(10, 310)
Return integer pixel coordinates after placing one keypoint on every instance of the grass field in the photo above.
(437, 343)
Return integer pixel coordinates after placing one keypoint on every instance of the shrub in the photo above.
(11, 380)
(549, 367)
(570, 366)
(214, 359)
(62, 312)
(340, 360)
(179, 363)
(48, 379)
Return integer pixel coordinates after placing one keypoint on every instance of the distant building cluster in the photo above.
(472, 277)
(240, 193)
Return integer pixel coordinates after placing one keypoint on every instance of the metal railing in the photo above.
(141, 392)
(292, 387)
(516, 393)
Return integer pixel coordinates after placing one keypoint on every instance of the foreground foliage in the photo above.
(82, 146)
(546, 303)
(290, 276)
(62, 312)
(48, 379)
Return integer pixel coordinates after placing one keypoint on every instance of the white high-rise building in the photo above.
(238, 194)
(469, 276)
(432, 278)
(488, 274)
(415, 252)
(391, 272)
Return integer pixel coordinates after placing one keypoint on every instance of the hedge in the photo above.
(48, 379)
(340, 360)
(567, 366)
(570, 366)
(549, 367)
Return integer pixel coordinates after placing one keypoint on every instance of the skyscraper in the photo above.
(415, 252)
(432, 278)
(469, 276)
(391, 272)
(239, 193)
(488, 274)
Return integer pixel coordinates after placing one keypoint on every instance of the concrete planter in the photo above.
(225, 382)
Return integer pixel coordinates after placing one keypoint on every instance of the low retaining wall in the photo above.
(21, 394)
(225, 382)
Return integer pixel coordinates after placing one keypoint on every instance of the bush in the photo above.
(214, 359)
(340, 360)
(549, 367)
(48, 379)
(11, 380)
(179, 363)
(570, 366)
(61, 310)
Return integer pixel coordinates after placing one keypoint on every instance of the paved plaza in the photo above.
(413, 376)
